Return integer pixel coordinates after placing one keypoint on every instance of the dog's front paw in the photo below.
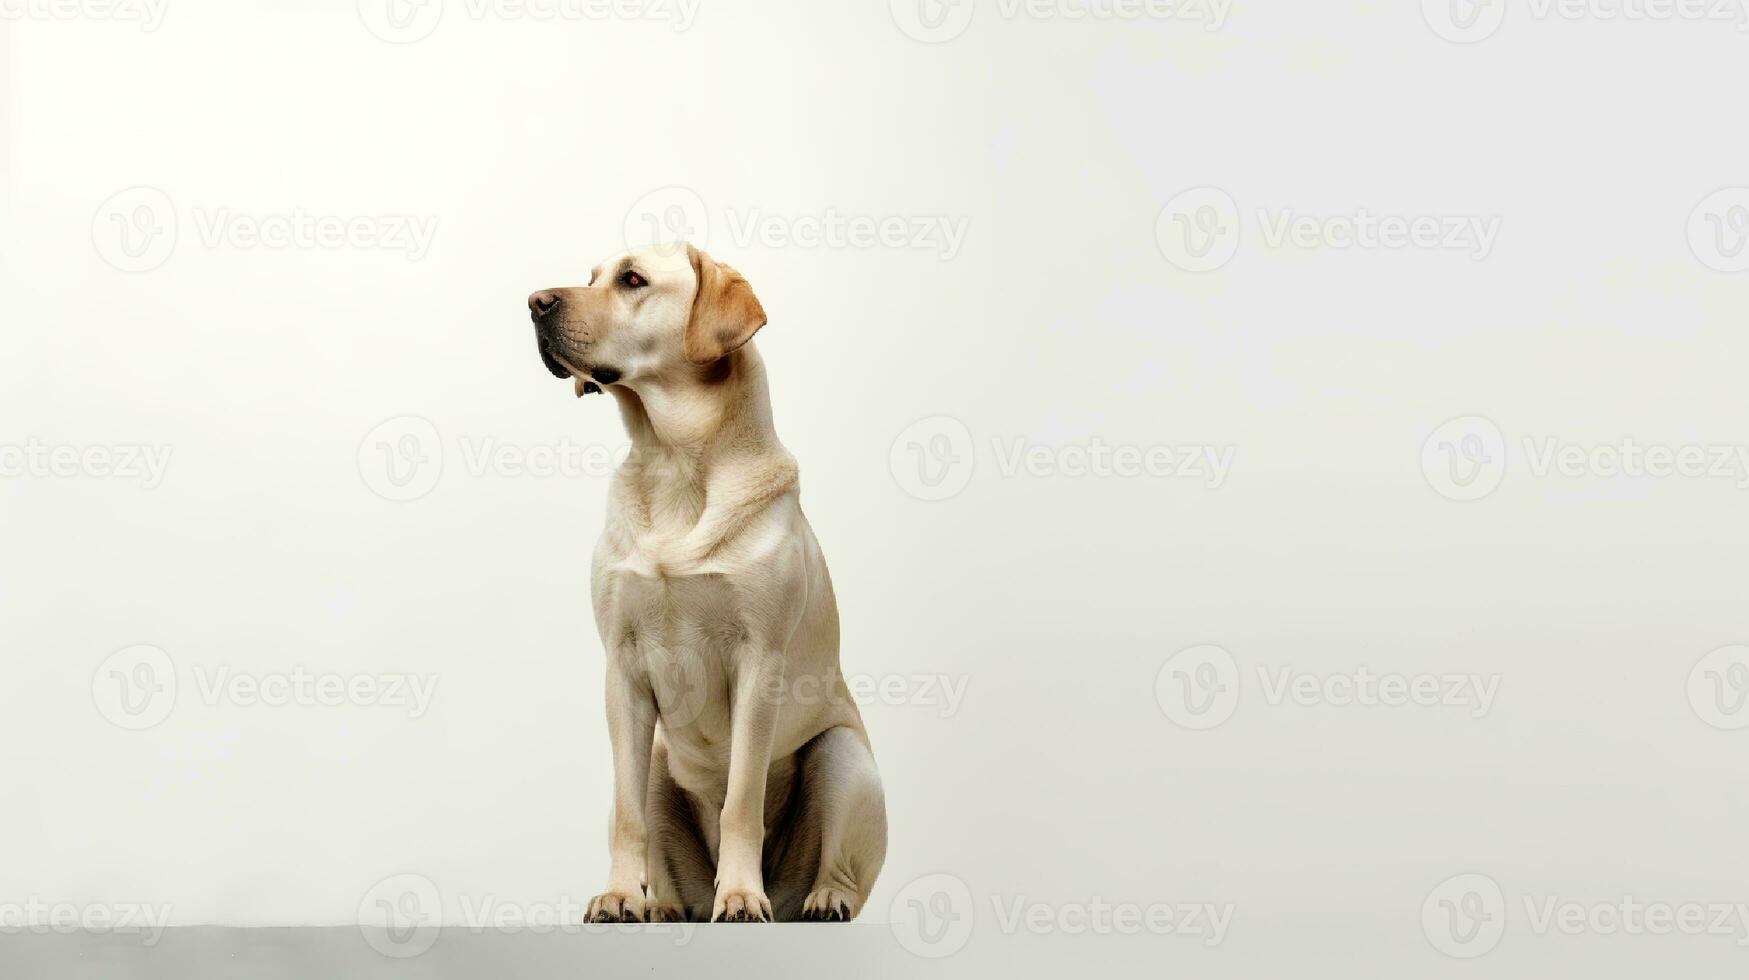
(741, 905)
(616, 907)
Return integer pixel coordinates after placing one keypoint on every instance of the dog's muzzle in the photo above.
(543, 308)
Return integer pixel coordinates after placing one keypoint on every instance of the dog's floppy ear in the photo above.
(725, 314)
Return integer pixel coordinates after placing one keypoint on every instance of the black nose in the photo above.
(543, 304)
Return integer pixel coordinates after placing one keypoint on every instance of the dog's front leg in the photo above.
(631, 727)
(740, 878)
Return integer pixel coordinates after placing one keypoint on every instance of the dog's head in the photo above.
(644, 314)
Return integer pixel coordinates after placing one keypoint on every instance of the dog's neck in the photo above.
(705, 456)
(698, 407)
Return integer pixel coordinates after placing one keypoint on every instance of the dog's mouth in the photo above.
(589, 380)
(546, 355)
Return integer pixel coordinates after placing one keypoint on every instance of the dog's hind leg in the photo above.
(681, 874)
(836, 835)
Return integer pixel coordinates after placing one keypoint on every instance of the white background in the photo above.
(1055, 599)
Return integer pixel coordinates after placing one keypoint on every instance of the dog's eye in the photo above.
(631, 280)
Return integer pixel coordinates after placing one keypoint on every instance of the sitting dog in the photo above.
(745, 789)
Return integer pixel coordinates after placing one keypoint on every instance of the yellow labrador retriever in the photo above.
(745, 789)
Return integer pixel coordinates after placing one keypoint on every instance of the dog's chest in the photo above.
(681, 632)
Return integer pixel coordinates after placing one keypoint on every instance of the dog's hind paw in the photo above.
(828, 905)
